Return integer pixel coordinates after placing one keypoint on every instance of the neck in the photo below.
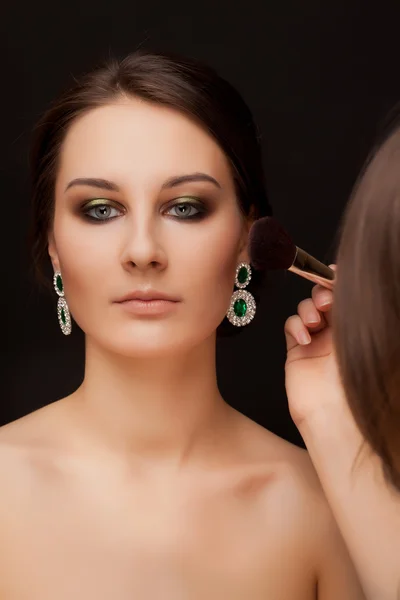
(164, 409)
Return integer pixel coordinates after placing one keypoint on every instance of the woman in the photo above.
(144, 483)
(353, 432)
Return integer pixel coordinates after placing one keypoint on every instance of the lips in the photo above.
(147, 296)
(148, 304)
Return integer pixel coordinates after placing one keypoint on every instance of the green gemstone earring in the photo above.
(243, 306)
(64, 318)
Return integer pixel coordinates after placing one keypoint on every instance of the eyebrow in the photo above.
(191, 177)
(104, 184)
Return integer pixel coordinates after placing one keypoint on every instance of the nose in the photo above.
(142, 248)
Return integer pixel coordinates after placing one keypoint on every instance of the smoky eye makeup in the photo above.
(188, 208)
(184, 208)
(100, 209)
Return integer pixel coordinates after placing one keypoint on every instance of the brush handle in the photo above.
(310, 268)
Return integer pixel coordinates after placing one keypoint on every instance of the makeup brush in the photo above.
(271, 248)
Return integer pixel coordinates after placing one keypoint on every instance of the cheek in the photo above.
(84, 262)
(208, 260)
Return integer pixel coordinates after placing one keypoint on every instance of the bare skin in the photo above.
(144, 483)
(247, 521)
(366, 508)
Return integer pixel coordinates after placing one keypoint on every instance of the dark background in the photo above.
(318, 76)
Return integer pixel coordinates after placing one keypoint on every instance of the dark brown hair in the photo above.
(176, 82)
(367, 301)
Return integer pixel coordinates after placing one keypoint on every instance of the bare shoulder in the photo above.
(25, 445)
(289, 464)
(33, 427)
(295, 497)
(288, 482)
(292, 476)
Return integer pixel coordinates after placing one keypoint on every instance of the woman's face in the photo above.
(145, 207)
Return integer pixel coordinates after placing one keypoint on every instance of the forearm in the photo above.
(367, 511)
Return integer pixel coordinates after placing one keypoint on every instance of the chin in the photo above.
(158, 338)
(142, 344)
(155, 344)
(148, 350)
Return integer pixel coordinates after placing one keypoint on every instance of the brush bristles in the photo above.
(270, 246)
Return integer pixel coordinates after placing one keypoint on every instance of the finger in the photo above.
(322, 298)
(311, 317)
(309, 313)
(296, 332)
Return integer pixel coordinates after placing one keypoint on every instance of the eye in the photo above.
(101, 210)
(186, 210)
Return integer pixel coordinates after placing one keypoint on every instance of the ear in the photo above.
(243, 247)
(52, 250)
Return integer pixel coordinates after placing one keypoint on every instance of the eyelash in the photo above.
(197, 204)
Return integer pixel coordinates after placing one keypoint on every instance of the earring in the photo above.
(64, 318)
(243, 306)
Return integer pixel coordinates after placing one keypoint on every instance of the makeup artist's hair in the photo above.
(367, 300)
(179, 83)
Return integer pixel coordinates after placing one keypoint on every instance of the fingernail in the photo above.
(325, 300)
(304, 338)
(313, 319)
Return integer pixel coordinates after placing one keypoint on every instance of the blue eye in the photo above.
(101, 212)
(186, 210)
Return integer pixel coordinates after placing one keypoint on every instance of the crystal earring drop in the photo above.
(64, 317)
(243, 306)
